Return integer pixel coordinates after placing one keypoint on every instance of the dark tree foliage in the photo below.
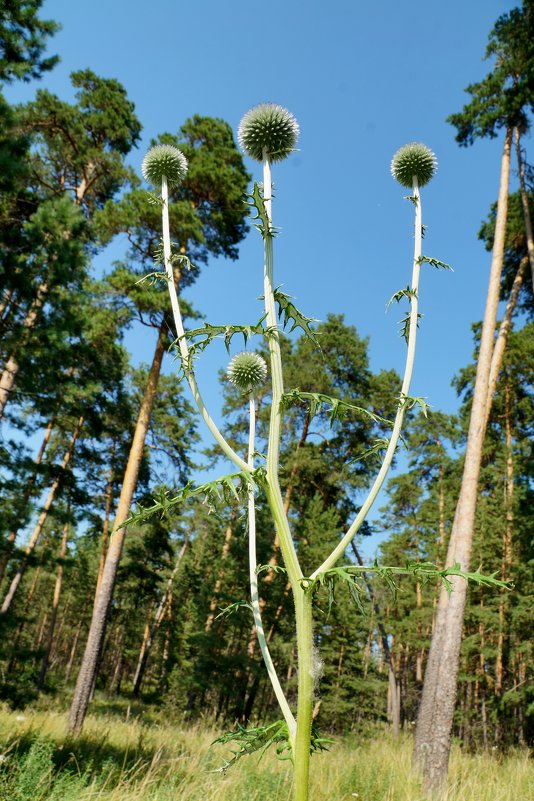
(504, 97)
(23, 39)
(515, 248)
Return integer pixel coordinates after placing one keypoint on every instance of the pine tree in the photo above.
(502, 99)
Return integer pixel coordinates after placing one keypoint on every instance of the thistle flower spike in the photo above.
(164, 161)
(247, 371)
(268, 130)
(414, 159)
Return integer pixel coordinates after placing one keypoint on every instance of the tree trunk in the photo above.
(228, 536)
(41, 521)
(8, 547)
(23, 620)
(150, 631)
(506, 542)
(434, 722)
(393, 683)
(502, 335)
(74, 646)
(526, 209)
(7, 305)
(11, 367)
(105, 527)
(97, 630)
(55, 603)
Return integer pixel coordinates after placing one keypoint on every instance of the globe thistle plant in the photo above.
(164, 161)
(268, 131)
(247, 371)
(413, 160)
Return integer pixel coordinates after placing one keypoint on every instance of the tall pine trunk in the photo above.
(36, 533)
(502, 334)
(435, 718)
(97, 630)
(526, 209)
(55, 604)
(151, 630)
(506, 543)
(11, 367)
(28, 489)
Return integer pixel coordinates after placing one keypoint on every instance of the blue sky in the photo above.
(362, 79)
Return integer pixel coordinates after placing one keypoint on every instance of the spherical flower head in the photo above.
(164, 160)
(247, 371)
(269, 130)
(412, 160)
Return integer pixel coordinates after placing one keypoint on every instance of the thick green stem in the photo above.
(182, 342)
(306, 680)
(303, 601)
(401, 408)
(254, 596)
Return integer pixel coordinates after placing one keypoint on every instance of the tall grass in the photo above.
(148, 760)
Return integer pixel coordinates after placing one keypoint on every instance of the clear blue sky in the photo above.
(362, 80)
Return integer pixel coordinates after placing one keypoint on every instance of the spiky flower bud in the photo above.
(247, 371)
(412, 160)
(268, 129)
(164, 160)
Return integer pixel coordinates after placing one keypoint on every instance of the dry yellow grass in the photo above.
(146, 760)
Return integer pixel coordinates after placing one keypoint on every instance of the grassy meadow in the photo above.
(135, 755)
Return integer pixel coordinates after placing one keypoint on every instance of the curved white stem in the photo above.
(182, 342)
(254, 596)
(399, 417)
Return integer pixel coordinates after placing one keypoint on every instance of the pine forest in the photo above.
(129, 640)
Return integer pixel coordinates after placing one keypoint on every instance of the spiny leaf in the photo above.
(207, 333)
(405, 325)
(289, 312)
(421, 571)
(224, 488)
(153, 278)
(338, 408)
(233, 608)
(176, 258)
(402, 293)
(267, 568)
(380, 444)
(256, 201)
(260, 738)
(408, 401)
(440, 265)
(256, 739)
(155, 200)
(329, 579)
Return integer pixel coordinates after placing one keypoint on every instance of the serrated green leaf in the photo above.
(288, 312)
(339, 409)
(233, 608)
(155, 200)
(225, 488)
(153, 278)
(257, 202)
(405, 325)
(409, 401)
(439, 265)
(402, 293)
